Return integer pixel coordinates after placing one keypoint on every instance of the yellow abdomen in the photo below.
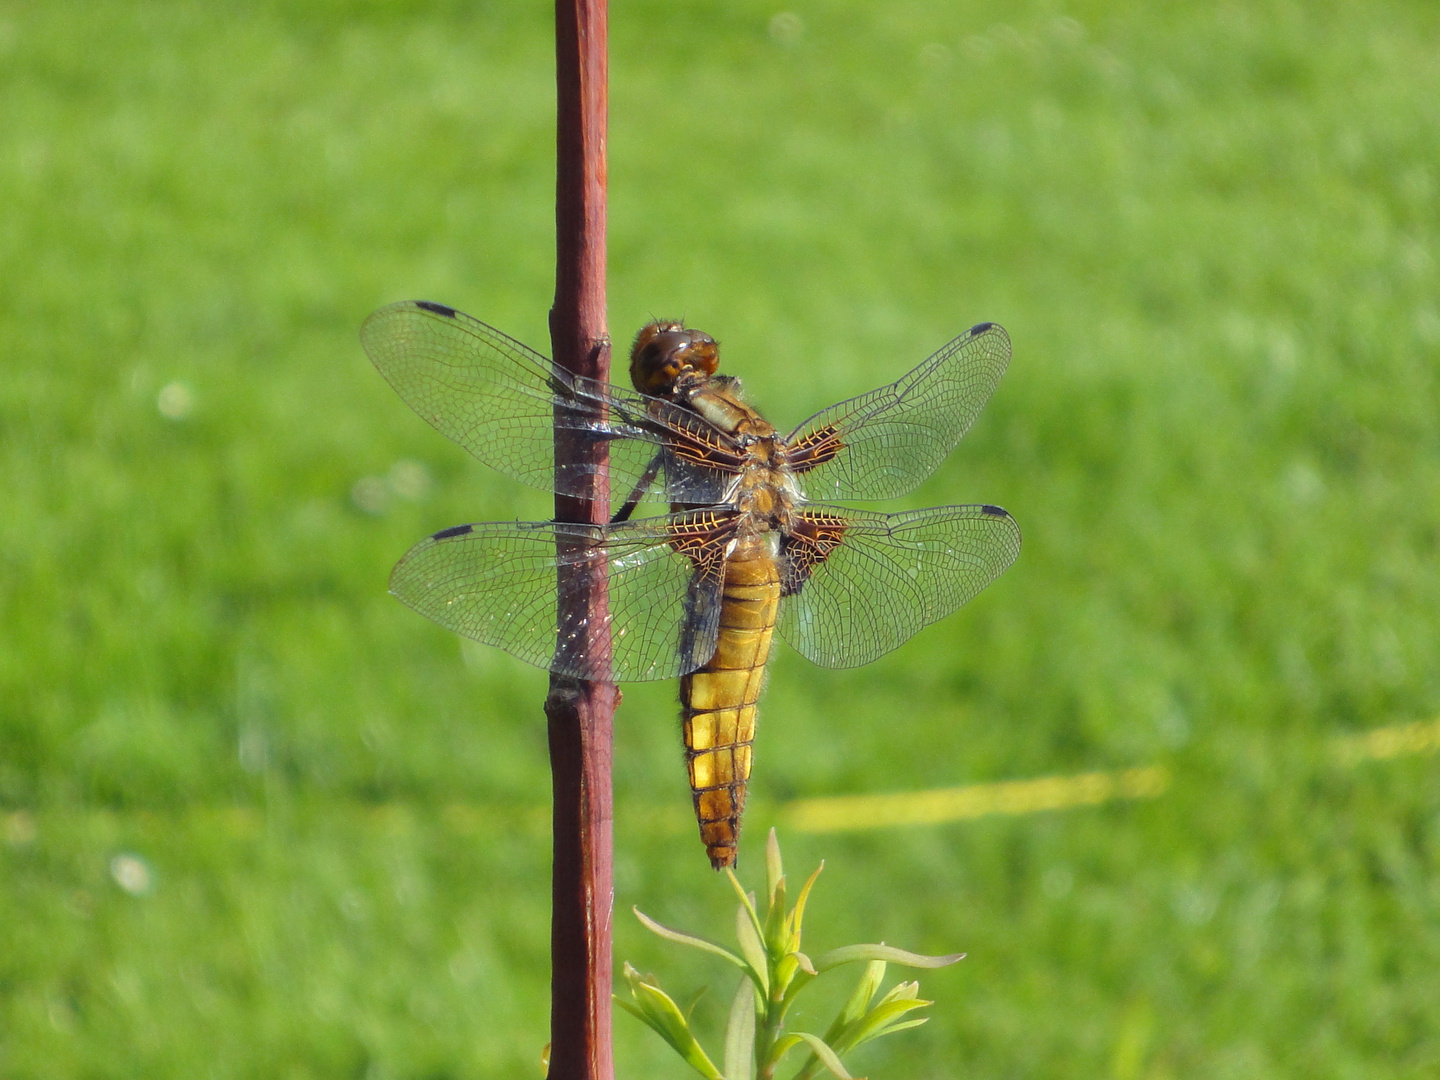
(717, 702)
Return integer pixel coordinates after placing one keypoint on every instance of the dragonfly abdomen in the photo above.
(718, 702)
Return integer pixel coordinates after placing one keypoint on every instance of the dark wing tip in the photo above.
(999, 513)
(461, 530)
(981, 327)
(438, 309)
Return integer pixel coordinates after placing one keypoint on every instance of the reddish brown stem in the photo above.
(581, 713)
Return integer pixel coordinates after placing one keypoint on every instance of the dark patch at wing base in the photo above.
(889, 575)
(882, 444)
(497, 583)
(809, 542)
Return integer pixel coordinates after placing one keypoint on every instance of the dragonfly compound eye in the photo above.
(663, 352)
(703, 354)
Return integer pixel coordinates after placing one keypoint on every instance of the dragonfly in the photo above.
(754, 542)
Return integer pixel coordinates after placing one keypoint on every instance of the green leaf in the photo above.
(878, 1021)
(656, 1007)
(859, 1000)
(753, 950)
(659, 1011)
(633, 1010)
(820, 1054)
(689, 939)
(827, 1057)
(788, 978)
(777, 933)
(747, 901)
(740, 1034)
(900, 991)
(774, 869)
(849, 1015)
(781, 1047)
(798, 915)
(848, 954)
(906, 1024)
(798, 982)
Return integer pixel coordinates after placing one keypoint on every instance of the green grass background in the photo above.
(1211, 229)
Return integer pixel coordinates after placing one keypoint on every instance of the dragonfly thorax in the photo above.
(765, 496)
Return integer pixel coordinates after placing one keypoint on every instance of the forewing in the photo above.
(497, 583)
(882, 444)
(865, 583)
(503, 402)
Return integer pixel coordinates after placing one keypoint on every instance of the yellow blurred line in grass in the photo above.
(857, 812)
(1421, 737)
(842, 813)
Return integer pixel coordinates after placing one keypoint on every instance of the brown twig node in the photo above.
(581, 713)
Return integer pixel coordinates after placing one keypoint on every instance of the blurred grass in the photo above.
(1212, 233)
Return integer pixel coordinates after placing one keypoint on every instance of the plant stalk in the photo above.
(581, 713)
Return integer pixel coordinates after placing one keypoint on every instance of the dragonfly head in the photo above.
(666, 354)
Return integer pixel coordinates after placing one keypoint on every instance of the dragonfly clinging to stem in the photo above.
(750, 546)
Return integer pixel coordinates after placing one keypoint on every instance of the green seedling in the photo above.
(774, 972)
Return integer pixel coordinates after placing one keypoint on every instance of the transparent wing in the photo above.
(882, 444)
(497, 583)
(861, 584)
(503, 402)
